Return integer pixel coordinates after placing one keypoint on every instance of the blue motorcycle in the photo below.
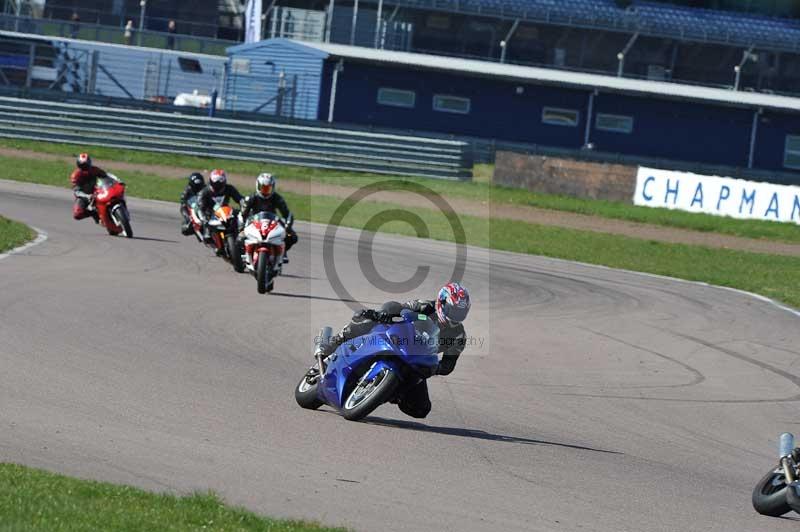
(777, 493)
(365, 372)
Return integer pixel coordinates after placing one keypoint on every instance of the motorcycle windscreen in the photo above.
(105, 182)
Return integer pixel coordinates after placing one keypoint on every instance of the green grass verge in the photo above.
(35, 500)
(770, 275)
(480, 189)
(13, 234)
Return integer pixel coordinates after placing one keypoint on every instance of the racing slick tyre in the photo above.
(119, 215)
(769, 495)
(793, 496)
(262, 273)
(234, 252)
(125, 221)
(305, 393)
(366, 396)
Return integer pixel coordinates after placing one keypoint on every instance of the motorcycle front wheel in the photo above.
(235, 254)
(263, 273)
(369, 395)
(305, 393)
(123, 219)
(769, 495)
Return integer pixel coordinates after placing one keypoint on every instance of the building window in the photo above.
(791, 156)
(396, 97)
(617, 123)
(451, 104)
(560, 117)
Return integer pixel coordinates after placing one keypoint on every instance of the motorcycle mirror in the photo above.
(786, 445)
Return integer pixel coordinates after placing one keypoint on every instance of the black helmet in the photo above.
(197, 181)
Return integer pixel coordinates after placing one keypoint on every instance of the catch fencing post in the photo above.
(212, 109)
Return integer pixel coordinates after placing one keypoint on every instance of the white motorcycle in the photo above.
(264, 248)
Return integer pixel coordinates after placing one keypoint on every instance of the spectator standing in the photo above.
(129, 32)
(171, 38)
(76, 25)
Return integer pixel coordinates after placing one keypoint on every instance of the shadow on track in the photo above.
(155, 239)
(293, 276)
(473, 433)
(322, 298)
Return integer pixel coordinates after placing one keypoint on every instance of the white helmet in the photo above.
(265, 185)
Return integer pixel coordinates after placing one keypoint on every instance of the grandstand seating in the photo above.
(661, 19)
(718, 25)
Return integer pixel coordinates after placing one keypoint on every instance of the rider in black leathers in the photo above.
(218, 191)
(450, 309)
(266, 199)
(193, 188)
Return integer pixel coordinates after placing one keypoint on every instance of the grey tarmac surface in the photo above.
(599, 400)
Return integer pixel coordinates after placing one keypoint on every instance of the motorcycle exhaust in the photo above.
(785, 451)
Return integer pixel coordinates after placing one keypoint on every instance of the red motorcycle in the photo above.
(109, 202)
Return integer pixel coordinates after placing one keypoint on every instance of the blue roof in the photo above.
(298, 46)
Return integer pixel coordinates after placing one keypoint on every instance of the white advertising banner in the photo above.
(721, 196)
(252, 21)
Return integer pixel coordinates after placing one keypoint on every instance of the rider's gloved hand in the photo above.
(447, 365)
(383, 317)
(365, 314)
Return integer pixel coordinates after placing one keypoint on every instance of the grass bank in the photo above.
(13, 234)
(35, 500)
(773, 276)
(480, 189)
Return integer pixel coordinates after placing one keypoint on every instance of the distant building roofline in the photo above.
(540, 75)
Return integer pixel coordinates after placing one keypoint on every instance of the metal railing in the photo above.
(314, 146)
(221, 22)
(116, 35)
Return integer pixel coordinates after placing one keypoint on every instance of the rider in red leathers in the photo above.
(83, 179)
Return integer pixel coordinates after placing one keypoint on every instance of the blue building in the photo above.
(548, 107)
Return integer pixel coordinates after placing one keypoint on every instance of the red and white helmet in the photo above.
(217, 180)
(84, 162)
(452, 304)
(265, 185)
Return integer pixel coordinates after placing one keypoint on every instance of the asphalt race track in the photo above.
(600, 400)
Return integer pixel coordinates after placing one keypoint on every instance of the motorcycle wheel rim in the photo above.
(775, 485)
(365, 390)
(116, 219)
(307, 383)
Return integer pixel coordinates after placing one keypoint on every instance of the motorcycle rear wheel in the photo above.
(769, 495)
(367, 396)
(305, 393)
